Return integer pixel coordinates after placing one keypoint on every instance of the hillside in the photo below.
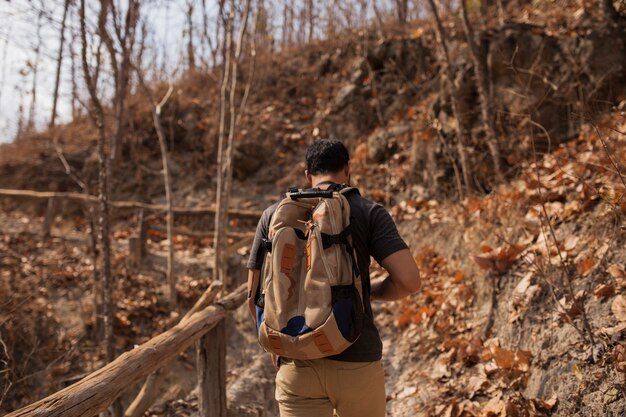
(522, 309)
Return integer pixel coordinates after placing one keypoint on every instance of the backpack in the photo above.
(309, 302)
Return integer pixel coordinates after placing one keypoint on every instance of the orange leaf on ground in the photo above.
(585, 266)
(474, 204)
(405, 317)
(423, 312)
(509, 359)
(484, 262)
(486, 248)
(604, 290)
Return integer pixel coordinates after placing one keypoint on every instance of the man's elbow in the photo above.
(407, 285)
(414, 284)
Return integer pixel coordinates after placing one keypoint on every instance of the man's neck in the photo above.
(325, 181)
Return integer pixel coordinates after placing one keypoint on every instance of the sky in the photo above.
(18, 39)
(166, 48)
(18, 44)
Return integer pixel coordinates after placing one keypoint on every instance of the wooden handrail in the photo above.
(98, 390)
(92, 199)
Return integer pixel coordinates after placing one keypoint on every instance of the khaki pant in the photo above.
(315, 388)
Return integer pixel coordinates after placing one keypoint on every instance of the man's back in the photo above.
(352, 382)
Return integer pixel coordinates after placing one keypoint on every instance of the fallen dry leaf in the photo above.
(578, 373)
(494, 408)
(603, 291)
(619, 308)
(611, 395)
(441, 367)
(618, 274)
(585, 267)
(509, 359)
(476, 384)
(610, 331)
(619, 357)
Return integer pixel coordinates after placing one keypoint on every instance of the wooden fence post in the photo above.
(51, 211)
(211, 354)
(137, 242)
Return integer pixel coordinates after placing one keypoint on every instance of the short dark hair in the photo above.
(325, 156)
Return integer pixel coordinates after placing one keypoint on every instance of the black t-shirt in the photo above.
(374, 234)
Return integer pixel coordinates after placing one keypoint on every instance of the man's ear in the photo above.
(308, 176)
(346, 170)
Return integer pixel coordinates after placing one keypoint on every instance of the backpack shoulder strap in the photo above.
(346, 189)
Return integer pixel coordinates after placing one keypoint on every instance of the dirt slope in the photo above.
(497, 328)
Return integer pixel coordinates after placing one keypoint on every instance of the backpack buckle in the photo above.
(267, 245)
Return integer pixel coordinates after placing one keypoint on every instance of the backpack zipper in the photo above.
(318, 237)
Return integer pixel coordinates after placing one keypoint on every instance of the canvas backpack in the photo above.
(309, 300)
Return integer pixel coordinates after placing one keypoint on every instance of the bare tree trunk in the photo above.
(287, 23)
(246, 92)
(302, 26)
(206, 38)
(74, 98)
(402, 9)
(156, 118)
(21, 124)
(97, 115)
(226, 169)
(461, 131)
(126, 40)
(191, 58)
(57, 79)
(30, 124)
(218, 270)
(479, 59)
(96, 284)
(310, 8)
(380, 25)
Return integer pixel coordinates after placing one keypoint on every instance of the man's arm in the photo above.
(403, 279)
(253, 282)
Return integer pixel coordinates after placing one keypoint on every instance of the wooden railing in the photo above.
(150, 361)
(92, 199)
(97, 391)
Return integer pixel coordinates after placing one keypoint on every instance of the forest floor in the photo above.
(550, 245)
(522, 311)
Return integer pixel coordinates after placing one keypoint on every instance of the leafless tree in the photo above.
(191, 56)
(228, 91)
(74, 92)
(487, 108)
(120, 47)
(288, 24)
(461, 130)
(310, 14)
(206, 37)
(156, 119)
(57, 79)
(34, 67)
(380, 25)
(97, 115)
(402, 11)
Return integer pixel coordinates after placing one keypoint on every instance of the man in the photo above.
(352, 382)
